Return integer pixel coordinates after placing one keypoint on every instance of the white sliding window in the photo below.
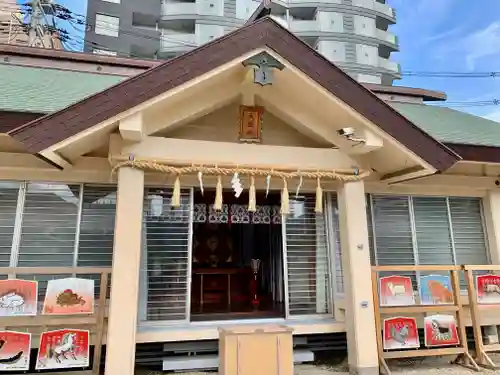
(97, 229)
(166, 259)
(307, 259)
(9, 192)
(49, 227)
(56, 225)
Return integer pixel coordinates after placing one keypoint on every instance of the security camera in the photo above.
(346, 132)
(349, 134)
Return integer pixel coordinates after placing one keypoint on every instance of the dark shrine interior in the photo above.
(237, 260)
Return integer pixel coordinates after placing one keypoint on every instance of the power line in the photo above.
(483, 103)
(81, 20)
(451, 74)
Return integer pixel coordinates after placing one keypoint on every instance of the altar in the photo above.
(236, 257)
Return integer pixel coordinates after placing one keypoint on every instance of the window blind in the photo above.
(96, 230)
(49, 222)
(166, 260)
(49, 225)
(468, 231)
(9, 192)
(307, 259)
(97, 226)
(416, 230)
(432, 231)
(55, 227)
(339, 271)
(393, 230)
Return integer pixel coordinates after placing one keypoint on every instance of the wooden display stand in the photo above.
(482, 357)
(463, 357)
(252, 350)
(93, 322)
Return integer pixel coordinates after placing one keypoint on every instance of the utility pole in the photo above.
(38, 24)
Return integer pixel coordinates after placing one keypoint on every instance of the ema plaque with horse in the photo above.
(65, 348)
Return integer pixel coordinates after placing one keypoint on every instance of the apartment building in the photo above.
(354, 34)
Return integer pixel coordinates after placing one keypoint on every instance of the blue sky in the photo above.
(435, 35)
(78, 7)
(451, 36)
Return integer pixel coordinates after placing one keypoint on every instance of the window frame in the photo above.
(18, 223)
(107, 31)
(411, 212)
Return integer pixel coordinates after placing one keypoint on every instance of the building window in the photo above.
(106, 25)
(418, 230)
(104, 52)
(56, 225)
(307, 259)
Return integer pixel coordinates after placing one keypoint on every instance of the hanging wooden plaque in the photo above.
(251, 123)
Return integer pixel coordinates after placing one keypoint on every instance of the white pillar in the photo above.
(491, 211)
(359, 315)
(122, 320)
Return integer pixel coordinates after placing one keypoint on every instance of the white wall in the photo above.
(367, 78)
(333, 51)
(211, 7)
(330, 21)
(363, 3)
(367, 55)
(245, 8)
(364, 26)
(207, 33)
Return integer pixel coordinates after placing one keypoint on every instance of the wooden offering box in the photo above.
(256, 349)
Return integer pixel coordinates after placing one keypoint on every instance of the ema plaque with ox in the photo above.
(396, 291)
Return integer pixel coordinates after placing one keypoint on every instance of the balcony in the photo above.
(177, 42)
(385, 9)
(304, 26)
(178, 8)
(281, 20)
(386, 36)
(389, 65)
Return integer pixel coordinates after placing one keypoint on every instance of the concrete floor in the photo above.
(427, 366)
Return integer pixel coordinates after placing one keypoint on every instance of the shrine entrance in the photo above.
(237, 258)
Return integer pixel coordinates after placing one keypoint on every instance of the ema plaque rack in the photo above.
(484, 296)
(61, 338)
(394, 296)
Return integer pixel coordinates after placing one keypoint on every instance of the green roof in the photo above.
(451, 126)
(27, 89)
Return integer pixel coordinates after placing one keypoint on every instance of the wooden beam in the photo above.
(248, 88)
(182, 152)
(307, 121)
(292, 112)
(56, 159)
(18, 167)
(406, 174)
(188, 109)
(132, 127)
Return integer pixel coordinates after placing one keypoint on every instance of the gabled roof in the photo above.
(56, 127)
